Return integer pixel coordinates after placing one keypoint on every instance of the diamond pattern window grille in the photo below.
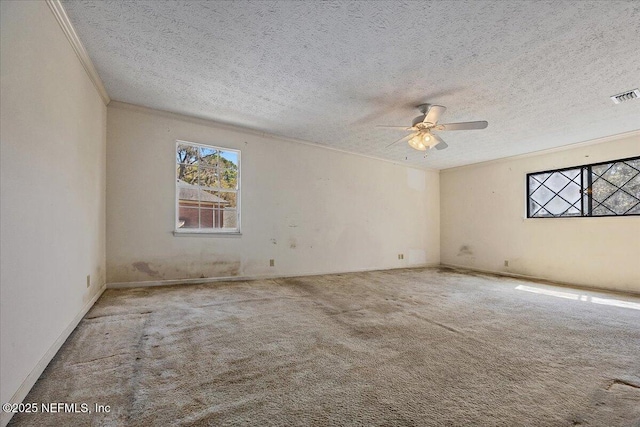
(599, 189)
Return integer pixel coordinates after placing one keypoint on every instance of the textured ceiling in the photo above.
(540, 73)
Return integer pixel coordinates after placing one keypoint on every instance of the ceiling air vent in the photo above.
(626, 96)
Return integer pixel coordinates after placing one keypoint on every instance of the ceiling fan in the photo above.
(422, 126)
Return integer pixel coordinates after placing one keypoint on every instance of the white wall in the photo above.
(311, 209)
(53, 138)
(483, 223)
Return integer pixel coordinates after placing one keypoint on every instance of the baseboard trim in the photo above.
(542, 280)
(169, 282)
(35, 373)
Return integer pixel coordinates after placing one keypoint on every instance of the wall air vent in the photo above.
(626, 96)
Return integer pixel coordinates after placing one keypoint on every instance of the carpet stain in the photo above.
(423, 347)
(623, 383)
(448, 328)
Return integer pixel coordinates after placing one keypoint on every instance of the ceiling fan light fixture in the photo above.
(416, 143)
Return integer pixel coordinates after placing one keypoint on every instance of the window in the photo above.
(599, 189)
(207, 189)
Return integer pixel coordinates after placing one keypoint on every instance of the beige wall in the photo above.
(53, 138)
(311, 209)
(483, 223)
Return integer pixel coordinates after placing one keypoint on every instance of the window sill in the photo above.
(584, 217)
(207, 233)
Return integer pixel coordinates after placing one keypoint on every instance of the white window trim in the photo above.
(206, 231)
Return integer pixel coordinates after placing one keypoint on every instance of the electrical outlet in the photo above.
(88, 280)
(272, 262)
(400, 256)
(506, 263)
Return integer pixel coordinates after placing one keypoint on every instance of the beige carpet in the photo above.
(423, 347)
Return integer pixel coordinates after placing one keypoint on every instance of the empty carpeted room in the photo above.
(337, 213)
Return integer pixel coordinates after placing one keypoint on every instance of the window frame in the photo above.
(206, 231)
(585, 190)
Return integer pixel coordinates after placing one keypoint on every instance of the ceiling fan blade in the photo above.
(401, 139)
(434, 113)
(462, 126)
(441, 145)
(395, 127)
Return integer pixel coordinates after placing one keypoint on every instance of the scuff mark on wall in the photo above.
(520, 266)
(205, 266)
(465, 250)
(216, 267)
(144, 268)
(292, 243)
(225, 269)
(467, 255)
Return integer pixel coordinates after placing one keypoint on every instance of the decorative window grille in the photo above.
(599, 189)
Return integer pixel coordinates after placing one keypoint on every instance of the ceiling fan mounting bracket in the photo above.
(424, 108)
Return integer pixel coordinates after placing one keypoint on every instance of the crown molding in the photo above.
(236, 128)
(572, 146)
(78, 47)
